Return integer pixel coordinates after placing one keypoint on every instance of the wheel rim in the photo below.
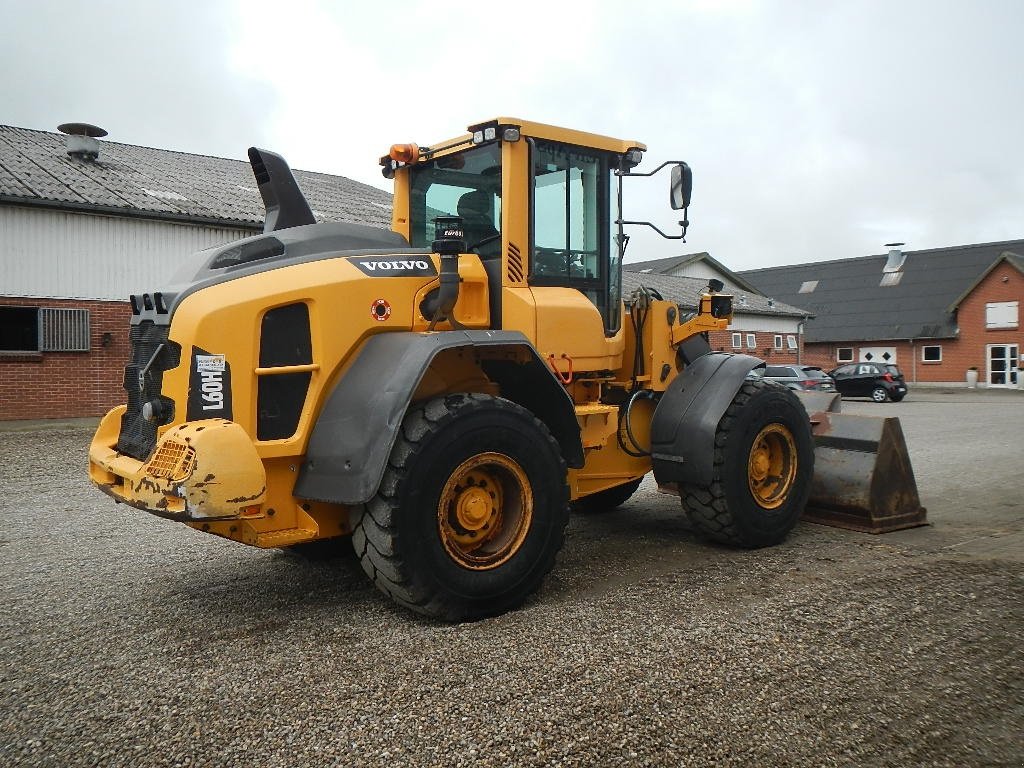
(878, 395)
(772, 466)
(485, 510)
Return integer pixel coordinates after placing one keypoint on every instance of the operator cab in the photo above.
(565, 182)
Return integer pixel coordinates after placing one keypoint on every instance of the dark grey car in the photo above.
(805, 377)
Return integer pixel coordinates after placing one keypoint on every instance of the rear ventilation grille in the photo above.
(516, 273)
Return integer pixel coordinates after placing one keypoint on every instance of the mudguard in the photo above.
(355, 432)
(686, 419)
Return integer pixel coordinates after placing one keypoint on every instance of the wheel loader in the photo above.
(443, 393)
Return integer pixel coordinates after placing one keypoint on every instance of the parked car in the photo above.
(879, 381)
(805, 377)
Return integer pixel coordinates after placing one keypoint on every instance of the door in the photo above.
(877, 355)
(1002, 365)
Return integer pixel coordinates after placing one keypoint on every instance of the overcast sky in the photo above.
(816, 130)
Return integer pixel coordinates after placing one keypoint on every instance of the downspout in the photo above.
(913, 360)
(800, 340)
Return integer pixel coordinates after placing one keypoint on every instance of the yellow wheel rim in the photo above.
(772, 466)
(485, 510)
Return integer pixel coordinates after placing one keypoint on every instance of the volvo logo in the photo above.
(383, 267)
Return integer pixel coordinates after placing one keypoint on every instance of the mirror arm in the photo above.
(684, 224)
(651, 173)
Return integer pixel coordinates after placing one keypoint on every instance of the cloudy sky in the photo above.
(816, 130)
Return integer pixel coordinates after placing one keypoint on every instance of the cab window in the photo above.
(571, 226)
(467, 184)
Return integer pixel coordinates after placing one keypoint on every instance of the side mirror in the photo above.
(680, 187)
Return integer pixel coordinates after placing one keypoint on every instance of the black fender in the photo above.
(355, 432)
(685, 422)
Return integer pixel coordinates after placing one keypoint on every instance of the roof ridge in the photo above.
(245, 161)
(883, 255)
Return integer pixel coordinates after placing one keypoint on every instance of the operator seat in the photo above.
(474, 208)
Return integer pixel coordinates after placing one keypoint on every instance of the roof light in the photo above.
(510, 134)
(478, 137)
(404, 153)
(632, 158)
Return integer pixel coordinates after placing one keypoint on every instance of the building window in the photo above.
(844, 355)
(1001, 314)
(737, 340)
(19, 329)
(778, 341)
(791, 341)
(44, 329)
(932, 354)
(751, 341)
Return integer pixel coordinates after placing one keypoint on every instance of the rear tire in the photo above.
(471, 511)
(879, 394)
(606, 500)
(764, 461)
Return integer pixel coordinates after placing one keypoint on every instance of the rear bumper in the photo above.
(201, 470)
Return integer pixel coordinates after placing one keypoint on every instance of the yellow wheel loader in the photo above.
(442, 393)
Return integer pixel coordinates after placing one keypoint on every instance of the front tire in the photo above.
(471, 511)
(764, 461)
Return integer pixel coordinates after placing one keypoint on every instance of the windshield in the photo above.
(466, 184)
(815, 373)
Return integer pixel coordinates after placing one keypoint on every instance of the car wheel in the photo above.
(879, 395)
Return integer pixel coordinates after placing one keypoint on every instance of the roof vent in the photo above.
(896, 258)
(82, 137)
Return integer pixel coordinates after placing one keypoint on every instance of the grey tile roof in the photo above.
(850, 304)
(668, 265)
(685, 290)
(35, 169)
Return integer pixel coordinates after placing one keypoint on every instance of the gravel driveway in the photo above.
(130, 640)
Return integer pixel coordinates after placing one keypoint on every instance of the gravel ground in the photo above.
(130, 640)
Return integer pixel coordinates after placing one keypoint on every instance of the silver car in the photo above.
(806, 377)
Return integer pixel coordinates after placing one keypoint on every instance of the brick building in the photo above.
(84, 224)
(936, 313)
(761, 326)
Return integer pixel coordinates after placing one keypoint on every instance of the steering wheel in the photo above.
(490, 239)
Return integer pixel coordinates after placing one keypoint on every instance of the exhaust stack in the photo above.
(285, 204)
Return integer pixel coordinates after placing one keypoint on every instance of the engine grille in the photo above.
(149, 348)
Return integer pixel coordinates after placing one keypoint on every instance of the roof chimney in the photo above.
(896, 258)
(82, 143)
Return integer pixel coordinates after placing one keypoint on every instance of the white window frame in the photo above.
(841, 358)
(737, 340)
(1001, 314)
(778, 341)
(924, 359)
(790, 341)
(751, 341)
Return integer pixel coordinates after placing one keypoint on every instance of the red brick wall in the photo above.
(51, 385)
(1004, 283)
(971, 317)
(765, 347)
